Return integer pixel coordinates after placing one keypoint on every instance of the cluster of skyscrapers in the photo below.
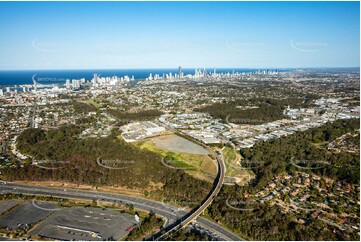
(15, 89)
(169, 75)
(97, 81)
(75, 84)
(112, 81)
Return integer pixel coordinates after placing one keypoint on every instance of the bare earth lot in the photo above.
(178, 144)
(189, 156)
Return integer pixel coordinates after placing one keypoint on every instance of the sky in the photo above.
(121, 35)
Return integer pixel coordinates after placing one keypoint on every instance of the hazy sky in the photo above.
(77, 35)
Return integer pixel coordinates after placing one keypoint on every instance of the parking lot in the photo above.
(25, 215)
(6, 205)
(80, 223)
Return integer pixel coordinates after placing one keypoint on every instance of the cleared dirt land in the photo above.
(235, 173)
(181, 153)
(178, 144)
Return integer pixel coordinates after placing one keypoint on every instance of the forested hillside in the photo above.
(75, 160)
(279, 155)
(263, 221)
(268, 109)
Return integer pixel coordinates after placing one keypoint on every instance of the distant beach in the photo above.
(21, 77)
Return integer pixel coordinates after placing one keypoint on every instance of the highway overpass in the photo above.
(169, 213)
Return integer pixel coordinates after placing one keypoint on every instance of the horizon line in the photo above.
(166, 68)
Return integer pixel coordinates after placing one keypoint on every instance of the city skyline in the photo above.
(131, 35)
(180, 121)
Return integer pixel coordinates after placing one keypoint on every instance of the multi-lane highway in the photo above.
(175, 219)
(170, 213)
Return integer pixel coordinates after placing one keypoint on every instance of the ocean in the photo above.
(20, 77)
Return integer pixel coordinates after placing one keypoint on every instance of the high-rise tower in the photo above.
(180, 73)
(35, 86)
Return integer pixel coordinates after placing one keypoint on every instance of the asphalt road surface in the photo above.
(170, 213)
(188, 218)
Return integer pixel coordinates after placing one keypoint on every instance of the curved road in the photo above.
(181, 218)
(170, 213)
(193, 215)
(217, 185)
